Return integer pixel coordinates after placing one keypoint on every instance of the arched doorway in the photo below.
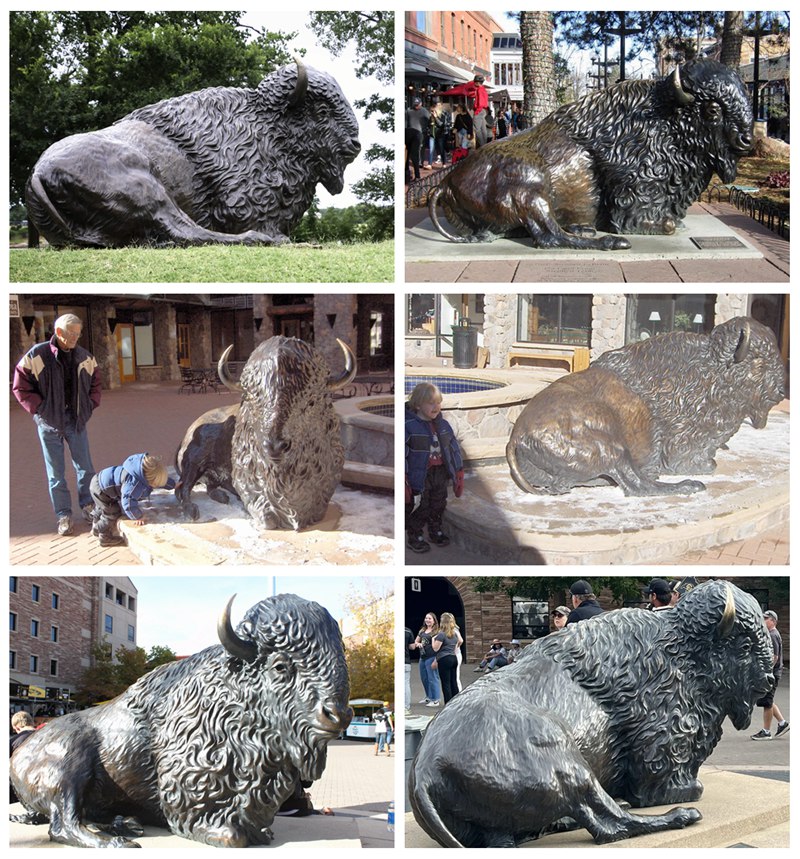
(436, 594)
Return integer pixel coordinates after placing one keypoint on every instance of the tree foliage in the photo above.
(77, 71)
(370, 651)
(373, 35)
(360, 223)
(543, 587)
(108, 677)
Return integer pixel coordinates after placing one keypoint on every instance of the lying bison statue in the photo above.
(659, 406)
(209, 746)
(624, 707)
(627, 159)
(222, 165)
(279, 449)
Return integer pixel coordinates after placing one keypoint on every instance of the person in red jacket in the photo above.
(476, 92)
(59, 384)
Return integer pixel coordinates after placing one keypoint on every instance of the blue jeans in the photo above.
(380, 741)
(52, 443)
(430, 679)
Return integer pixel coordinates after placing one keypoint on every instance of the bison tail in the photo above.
(43, 213)
(516, 473)
(425, 811)
(432, 201)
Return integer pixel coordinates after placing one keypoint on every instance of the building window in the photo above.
(442, 27)
(131, 633)
(12, 621)
(421, 23)
(563, 319)
(132, 603)
(109, 624)
(53, 667)
(34, 664)
(648, 315)
(121, 597)
(12, 583)
(54, 634)
(12, 660)
(453, 31)
(35, 592)
(55, 602)
(421, 312)
(531, 618)
(34, 628)
(109, 591)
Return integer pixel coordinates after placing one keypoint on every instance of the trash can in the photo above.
(465, 345)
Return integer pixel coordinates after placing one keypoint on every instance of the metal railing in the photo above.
(762, 210)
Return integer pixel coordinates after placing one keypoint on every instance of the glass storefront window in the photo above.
(531, 618)
(421, 313)
(649, 315)
(565, 319)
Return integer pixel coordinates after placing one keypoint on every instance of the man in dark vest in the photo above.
(584, 603)
(59, 384)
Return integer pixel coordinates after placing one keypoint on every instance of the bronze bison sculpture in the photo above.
(223, 165)
(279, 449)
(209, 746)
(628, 159)
(621, 708)
(660, 406)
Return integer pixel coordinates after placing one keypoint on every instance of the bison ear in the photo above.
(730, 341)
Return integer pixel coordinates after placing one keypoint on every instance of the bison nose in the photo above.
(331, 717)
(276, 449)
(743, 142)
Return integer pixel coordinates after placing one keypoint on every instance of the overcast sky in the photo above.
(181, 612)
(342, 68)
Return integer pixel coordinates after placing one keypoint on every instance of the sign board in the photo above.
(36, 692)
(416, 585)
(716, 242)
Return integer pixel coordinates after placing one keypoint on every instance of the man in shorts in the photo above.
(768, 701)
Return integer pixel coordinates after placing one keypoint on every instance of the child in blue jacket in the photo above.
(433, 460)
(117, 490)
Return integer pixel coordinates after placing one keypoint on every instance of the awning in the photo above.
(418, 65)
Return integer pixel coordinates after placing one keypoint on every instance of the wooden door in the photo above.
(126, 352)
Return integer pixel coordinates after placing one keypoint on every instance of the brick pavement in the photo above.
(774, 268)
(137, 417)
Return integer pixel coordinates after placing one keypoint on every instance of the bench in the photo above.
(576, 358)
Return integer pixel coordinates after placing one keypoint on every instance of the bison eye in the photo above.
(713, 112)
(282, 667)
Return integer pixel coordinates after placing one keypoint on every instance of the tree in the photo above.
(732, 37)
(373, 34)
(78, 71)
(538, 65)
(160, 655)
(370, 651)
(543, 587)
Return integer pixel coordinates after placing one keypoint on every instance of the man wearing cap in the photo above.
(584, 604)
(768, 701)
(560, 616)
(476, 92)
(659, 594)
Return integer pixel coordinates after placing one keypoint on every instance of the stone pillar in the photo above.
(19, 339)
(608, 322)
(333, 317)
(262, 309)
(729, 305)
(486, 616)
(200, 337)
(165, 336)
(499, 326)
(104, 343)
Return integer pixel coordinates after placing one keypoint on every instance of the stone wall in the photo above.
(339, 310)
(262, 307)
(104, 343)
(485, 423)
(19, 340)
(165, 338)
(499, 326)
(486, 616)
(608, 322)
(730, 304)
(420, 346)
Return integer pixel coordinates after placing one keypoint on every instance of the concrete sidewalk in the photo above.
(455, 266)
(356, 785)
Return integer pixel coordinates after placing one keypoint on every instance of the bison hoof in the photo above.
(271, 522)
(689, 487)
(219, 495)
(192, 511)
(684, 816)
(615, 243)
(119, 841)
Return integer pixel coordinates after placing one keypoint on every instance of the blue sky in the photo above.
(181, 612)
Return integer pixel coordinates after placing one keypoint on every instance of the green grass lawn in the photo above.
(361, 263)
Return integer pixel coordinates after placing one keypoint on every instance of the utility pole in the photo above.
(622, 31)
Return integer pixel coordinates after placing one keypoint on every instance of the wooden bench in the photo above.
(576, 358)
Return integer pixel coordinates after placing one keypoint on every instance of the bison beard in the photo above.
(623, 707)
(659, 406)
(629, 159)
(221, 165)
(210, 746)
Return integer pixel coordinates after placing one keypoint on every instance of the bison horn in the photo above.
(241, 648)
(681, 96)
(728, 615)
(350, 367)
(222, 371)
(301, 85)
(743, 347)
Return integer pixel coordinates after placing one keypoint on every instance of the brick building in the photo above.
(54, 623)
(150, 338)
(483, 617)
